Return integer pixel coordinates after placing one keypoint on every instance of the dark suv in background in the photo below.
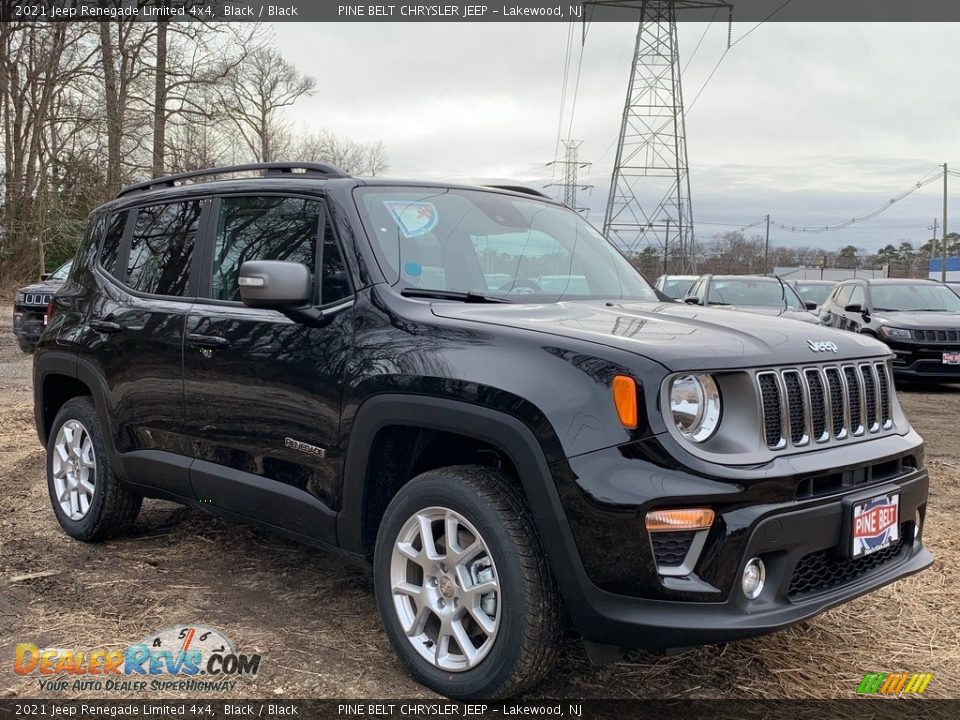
(373, 366)
(30, 307)
(918, 319)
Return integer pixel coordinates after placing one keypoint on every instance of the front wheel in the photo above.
(462, 584)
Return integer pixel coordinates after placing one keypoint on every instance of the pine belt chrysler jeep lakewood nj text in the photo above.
(472, 389)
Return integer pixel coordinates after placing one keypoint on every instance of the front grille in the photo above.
(825, 569)
(823, 403)
(37, 299)
(937, 335)
(670, 548)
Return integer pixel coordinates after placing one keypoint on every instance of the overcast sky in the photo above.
(813, 123)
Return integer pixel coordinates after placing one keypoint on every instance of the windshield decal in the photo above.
(412, 217)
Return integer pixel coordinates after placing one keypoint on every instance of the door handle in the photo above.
(207, 341)
(107, 326)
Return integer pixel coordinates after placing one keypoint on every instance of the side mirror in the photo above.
(45, 276)
(810, 305)
(853, 308)
(275, 284)
(692, 300)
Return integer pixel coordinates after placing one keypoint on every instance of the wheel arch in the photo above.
(497, 429)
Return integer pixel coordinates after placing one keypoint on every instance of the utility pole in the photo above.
(766, 247)
(571, 165)
(666, 249)
(943, 266)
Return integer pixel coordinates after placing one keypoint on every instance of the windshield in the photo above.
(914, 298)
(753, 293)
(677, 288)
(61, 272)
(471, 241)
(814, 293)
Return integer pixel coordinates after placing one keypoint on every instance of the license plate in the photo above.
(951, 358)
(875, 524)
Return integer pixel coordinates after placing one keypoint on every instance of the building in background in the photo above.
(953, 269)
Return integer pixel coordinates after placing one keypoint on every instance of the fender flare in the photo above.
(504, 431)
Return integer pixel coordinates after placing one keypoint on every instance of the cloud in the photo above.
(813, 123)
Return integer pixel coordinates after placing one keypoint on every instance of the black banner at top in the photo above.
(481, 10)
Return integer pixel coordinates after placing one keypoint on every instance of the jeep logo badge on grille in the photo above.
(823, 346)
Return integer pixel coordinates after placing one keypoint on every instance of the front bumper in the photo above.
(28, 323)
(924, 361)
(621, 598)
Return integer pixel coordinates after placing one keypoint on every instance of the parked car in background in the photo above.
(918, 319)
(30, 306)
(675, 286)
(750, 293)
(815, 291)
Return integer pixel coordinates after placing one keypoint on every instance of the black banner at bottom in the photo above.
(852, 709)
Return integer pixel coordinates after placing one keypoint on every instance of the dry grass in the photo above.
(315, 621)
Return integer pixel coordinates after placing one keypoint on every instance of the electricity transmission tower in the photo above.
(649, 202)
(571, 165)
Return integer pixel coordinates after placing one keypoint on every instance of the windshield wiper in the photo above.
(468, 297)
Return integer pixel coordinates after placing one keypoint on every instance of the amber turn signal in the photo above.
(625, 398)
(677, 520)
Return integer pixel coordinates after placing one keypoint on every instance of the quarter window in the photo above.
(111, 243)
(161, 248)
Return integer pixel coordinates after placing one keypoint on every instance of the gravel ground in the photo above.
(314, 619)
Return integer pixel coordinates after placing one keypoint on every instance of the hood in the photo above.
(801, 315)
(919, 320)
(46, 286)
(680, 337)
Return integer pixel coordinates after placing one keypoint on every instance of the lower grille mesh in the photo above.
(825, 569)
(670, 548)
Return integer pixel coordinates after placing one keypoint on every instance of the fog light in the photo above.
(753, 576)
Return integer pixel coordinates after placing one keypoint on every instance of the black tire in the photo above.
(115, 506)
(26, 345)
(525, 645)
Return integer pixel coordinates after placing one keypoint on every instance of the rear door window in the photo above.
(161, 249)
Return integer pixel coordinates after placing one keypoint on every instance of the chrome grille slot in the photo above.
(772, 408)
(818, 405)
(821, 404)
(837, 403)
(870, 397)
(854, 399)
(796, 407)
(884, 393)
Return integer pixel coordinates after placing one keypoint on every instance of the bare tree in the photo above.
(354, 157)
(262, 85)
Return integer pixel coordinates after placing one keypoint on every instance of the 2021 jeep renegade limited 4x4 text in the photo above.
(472, 389)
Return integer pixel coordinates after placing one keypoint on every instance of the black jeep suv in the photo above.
(372, 365)
(918, 319)
(30, 307)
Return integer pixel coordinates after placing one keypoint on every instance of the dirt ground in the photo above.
(314, 619)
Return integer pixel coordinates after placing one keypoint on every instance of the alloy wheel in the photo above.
(445, 589)
(74, 469)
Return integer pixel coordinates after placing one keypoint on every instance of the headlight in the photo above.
(895, 333)
(20, 298)
(695, 406)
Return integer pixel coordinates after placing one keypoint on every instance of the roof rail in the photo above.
(271, 168)
(520, 189)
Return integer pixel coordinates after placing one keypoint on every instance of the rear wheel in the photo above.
(89, 501)
(462, 584)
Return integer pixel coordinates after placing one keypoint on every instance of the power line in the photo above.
(870, 215)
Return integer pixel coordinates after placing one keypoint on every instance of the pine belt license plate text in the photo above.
(951, 358)
(876, 524)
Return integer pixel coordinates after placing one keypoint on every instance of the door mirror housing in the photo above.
(45, 276)
(692, 300)
(854, 308)
(275, 284)
(809, 305)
